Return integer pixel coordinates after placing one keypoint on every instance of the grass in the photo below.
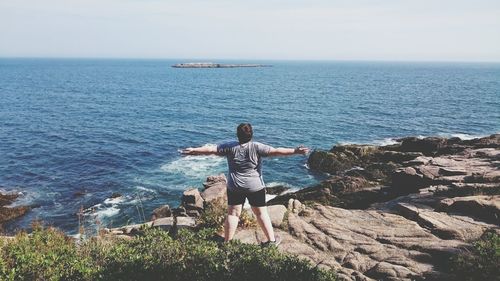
(47, 254)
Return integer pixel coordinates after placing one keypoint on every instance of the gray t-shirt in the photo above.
(245, 165)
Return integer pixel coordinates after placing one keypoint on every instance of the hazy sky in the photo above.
(463, 30)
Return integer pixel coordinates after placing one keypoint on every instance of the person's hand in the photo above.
(188, 151)
(301, 150)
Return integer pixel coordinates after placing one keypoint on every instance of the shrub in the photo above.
(43, 255)
(215, 213)
(482, 262)
(49, 255)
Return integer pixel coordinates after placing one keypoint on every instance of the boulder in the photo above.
(215, 188)
(10, 213)
(192, 200)
(276, 213)
(166, 223)
(428, 146)
(342, 191)
(185, 222)
(179, 212)
(161, 212)
(7, 198)
(407, 180)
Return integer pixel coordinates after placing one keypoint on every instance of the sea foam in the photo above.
(195, 166)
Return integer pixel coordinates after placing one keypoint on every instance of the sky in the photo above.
(408, 30)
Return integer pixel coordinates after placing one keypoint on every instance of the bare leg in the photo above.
(264, 222)
(232, 219)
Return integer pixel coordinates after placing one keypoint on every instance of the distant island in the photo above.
(215, 65)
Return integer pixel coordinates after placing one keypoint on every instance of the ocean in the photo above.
(75, 131)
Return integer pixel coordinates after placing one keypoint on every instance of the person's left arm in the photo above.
(283, 151)
(202, 150)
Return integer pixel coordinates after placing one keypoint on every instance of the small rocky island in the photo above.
(214, 65)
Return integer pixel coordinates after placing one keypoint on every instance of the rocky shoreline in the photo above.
(9, 213)
(394, 212)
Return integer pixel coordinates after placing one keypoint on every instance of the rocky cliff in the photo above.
(395, 212)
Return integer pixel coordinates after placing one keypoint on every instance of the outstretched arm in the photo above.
(281, 151)
(202, 150)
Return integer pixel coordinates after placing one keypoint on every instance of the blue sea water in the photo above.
(74, 131)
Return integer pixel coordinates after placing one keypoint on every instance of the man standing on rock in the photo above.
(244, 158)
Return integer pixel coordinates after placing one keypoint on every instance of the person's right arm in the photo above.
(202, 150)
(282, 151)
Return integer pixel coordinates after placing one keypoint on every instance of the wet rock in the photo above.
(161, 212)
(492, 141)
(115, 195)
(10, 213)
(7, 198)
(79, 193)
(277, 189)
(342, 191)
(428, 146)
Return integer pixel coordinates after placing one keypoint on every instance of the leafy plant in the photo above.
(48, 254)
(482, 262)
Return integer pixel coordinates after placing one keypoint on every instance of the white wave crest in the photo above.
(464, 136)
(195, 166)
(107, 212)
(142, 188)
(113, 201)
(386, 141)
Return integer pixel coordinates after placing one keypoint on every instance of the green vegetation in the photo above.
(482, 262)
(47, 254)
(215, 213)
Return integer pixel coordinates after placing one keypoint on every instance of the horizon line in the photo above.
(252, 59)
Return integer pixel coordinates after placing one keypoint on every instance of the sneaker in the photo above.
(218, 239)
(275, 243)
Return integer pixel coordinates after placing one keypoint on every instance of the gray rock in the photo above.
(480, 206)
(192, 200)
(215, 188)
(276, 213)
(185, 222)
(166, 223)
(161, 212)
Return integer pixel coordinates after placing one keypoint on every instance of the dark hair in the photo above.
(244, 132)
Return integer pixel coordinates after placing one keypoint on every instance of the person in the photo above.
(244, 158)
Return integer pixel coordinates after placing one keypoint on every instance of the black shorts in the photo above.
(256, 199)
